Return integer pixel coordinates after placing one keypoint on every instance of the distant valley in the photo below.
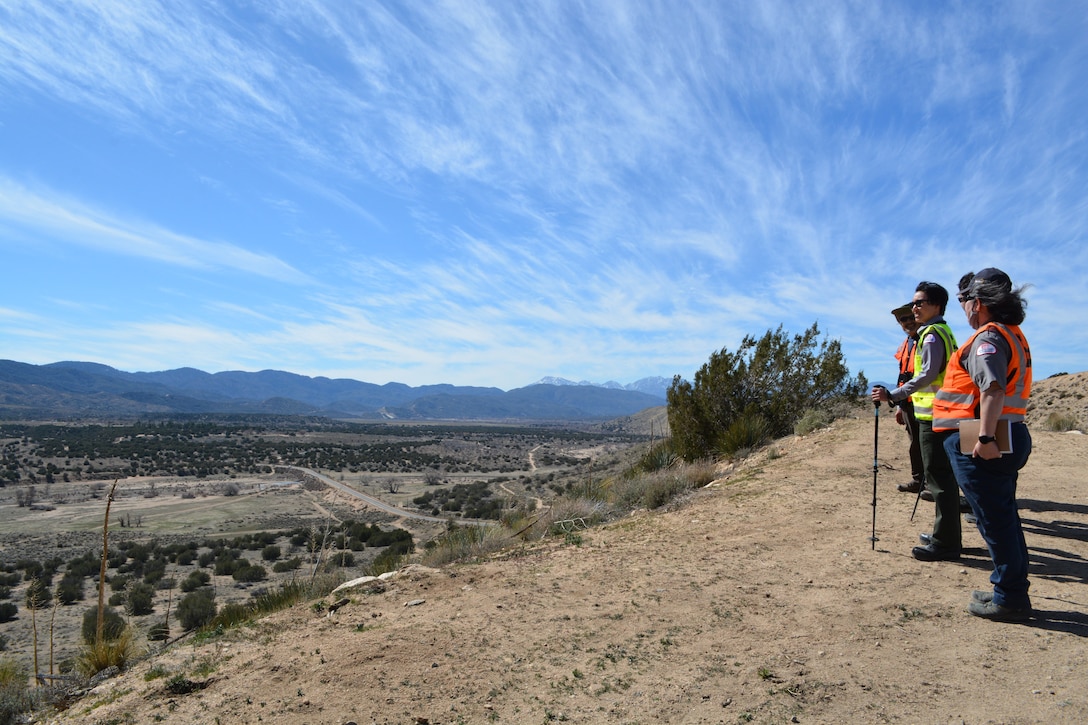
(91, 390)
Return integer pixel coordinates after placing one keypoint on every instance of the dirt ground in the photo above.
(759, 599)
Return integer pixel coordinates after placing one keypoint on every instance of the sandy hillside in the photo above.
(759, 599)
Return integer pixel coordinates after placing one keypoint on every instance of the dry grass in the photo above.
(104, 653)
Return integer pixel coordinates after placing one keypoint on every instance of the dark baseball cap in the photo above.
(991, 274)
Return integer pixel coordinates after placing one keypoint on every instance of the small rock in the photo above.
(414, 602)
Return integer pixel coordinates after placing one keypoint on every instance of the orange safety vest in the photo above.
(958, 398)
(905, 356)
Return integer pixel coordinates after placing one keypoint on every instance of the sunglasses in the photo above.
(905, 319)
(964, 298)
(919, 303)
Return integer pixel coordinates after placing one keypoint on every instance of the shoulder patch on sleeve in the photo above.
(985, 348)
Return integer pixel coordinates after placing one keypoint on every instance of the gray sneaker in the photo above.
(982, 597)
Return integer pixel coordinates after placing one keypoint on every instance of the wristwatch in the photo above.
(986, 439)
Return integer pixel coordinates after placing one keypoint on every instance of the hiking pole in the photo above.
(876, 443)
(916, 500)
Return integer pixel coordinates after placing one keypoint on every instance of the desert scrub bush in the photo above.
(571, 509)
(813, 419)
(384, 562)
(1061, 422)
(281, 567)
(267, 602)
(15, 695)
(661, 455)
(650, 491)
(749, 431)
(96, 656)
(463, 543)
(112, 624)
(593, 489)
(196, 609)
(8, 611)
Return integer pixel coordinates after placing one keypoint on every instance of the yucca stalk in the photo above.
(100, 624)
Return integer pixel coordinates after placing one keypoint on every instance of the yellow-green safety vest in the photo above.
(923, 398)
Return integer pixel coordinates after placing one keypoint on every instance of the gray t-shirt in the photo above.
(987, 361)
(933, 362)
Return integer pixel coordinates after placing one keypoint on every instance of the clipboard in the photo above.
(969, 435)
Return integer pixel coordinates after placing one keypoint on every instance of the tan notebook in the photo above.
(969, 435)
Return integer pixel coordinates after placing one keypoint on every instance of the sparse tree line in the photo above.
(43, 454)
(471, 500)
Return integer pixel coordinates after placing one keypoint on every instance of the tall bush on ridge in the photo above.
(776, 378)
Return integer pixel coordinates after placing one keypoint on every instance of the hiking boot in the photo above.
(982, 597)
(999, 612)
(912, 487)
(970, 518)
(926, 539)
(930, 552)
(965, 508)
(925, 495)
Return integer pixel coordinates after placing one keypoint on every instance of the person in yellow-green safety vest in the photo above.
(936, 343)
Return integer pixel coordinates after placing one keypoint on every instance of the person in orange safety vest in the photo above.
(904, 411)
(989, 379)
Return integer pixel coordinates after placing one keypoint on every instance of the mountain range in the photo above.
(93, 390)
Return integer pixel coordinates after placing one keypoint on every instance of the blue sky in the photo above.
(486, 193)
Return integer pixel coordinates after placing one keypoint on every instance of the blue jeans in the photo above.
(990, 488)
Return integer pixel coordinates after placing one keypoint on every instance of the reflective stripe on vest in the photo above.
(958, 399)
(923, 399)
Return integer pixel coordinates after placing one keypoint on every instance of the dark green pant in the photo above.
(942, 484)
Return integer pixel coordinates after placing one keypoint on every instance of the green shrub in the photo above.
(8, 611)
(250, 573)
(195, 580)
(231, 614)
(750, 430)
(776, 377)
(281, 567)
(139, 599)
(341, 559)
(112, 624)
(661, 455)
(196, 609)
(70, 589)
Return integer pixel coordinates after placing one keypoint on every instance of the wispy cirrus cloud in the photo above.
(47, 213)
(477, 182)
